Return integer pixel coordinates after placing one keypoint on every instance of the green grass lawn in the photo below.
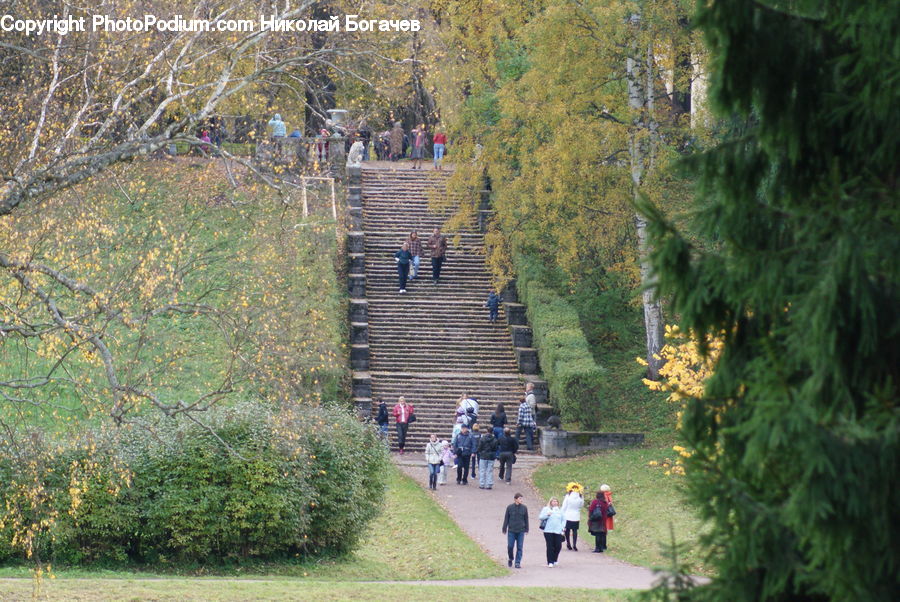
(92, 590)
(413, 539)
(647, 502)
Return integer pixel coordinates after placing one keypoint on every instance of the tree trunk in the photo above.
(641, 149)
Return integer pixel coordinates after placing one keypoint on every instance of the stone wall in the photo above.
(565, 444)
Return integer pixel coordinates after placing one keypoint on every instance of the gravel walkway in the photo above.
(479, 512)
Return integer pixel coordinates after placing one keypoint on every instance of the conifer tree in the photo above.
(796, 263)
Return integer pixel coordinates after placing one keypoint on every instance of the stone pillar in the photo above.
(527, 359)
(521, 336)
(359, 333)
(359, 357)
(515, 314)
(359, 310)
(356, 286)
(356, 242)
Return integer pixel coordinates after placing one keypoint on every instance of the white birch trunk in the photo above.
(641, 149)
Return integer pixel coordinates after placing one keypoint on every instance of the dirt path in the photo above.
(479, 513)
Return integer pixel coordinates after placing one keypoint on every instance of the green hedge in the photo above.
(577, 383)
(304, 480)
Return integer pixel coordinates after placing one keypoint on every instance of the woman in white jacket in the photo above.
(571, 508)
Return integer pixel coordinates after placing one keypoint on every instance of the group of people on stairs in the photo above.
(410, 254)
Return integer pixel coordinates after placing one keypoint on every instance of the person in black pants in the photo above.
(464, 450)
(403, 258)
(507, 447)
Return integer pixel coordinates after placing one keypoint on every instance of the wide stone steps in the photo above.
(434, 343)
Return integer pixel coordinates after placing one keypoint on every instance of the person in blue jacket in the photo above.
(403, 258)
(553, 530)
(493, 305)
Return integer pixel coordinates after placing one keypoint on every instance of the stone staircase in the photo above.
(435, 342)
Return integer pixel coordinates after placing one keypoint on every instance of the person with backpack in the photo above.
(507, 447)
(464, 450)
(597, 520)
(487, 453)
(433, 459)
(382, 420)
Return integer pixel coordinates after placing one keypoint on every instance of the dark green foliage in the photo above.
(576, 381)
(303, 480)
(797, 264)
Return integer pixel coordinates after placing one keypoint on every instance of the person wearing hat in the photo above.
(464, 450)
(571, 508)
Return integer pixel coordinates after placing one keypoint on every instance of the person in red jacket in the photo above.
(402, 413)
(440, 147)
(607, 494)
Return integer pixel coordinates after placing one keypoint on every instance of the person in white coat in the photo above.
(553, 530)
(571, 507)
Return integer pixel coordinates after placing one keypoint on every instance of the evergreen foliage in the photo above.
(577, 382)
(795, 438)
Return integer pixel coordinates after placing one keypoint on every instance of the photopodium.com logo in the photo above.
(177, 24)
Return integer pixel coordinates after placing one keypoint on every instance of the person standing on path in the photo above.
(607, 495)
(447, 461)
(525, 420)
(418, 146)
(464, 450)
(403, 258)
(433, 458)
(498, 421)
(493, 305)
(415, 248)
(571, 507)
(383, 420)
(515, 526)
(507, 447)
(553, 530)
(437, 245)
(402, 413)
(597, 521)
(396, 141)
(440, 146)
(475, 432)
(487, 453)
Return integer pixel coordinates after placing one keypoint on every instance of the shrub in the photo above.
(301, 480)
(575, 379)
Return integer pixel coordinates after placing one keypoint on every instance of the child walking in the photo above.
(448, 458)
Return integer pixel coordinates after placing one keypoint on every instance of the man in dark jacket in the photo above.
(465, 447)
(487, 453)
(515, 526)
(507, 446)
(382, 419)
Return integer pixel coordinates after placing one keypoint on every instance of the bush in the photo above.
(301, 480)
(576, 381)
